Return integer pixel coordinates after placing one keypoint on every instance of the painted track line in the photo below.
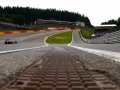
(103, 53)
(16, 50)
(107, 54)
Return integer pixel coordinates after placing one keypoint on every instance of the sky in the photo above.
(96, 10)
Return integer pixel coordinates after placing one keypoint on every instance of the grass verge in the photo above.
(61, 38)
(87, 32)
(81, 37)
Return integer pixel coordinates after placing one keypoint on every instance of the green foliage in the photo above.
(87, 32)
(18, 19)
(13, 18)
(118, 22)
(112, 21)
(29, 15)
(4, 18)
(61, 38)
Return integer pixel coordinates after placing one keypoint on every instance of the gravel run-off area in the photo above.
(107, 67)
(12, 64)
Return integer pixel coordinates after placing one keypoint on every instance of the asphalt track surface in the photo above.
(30, 40)
(33, 40)
(36, 40)
(26, 40)
(107, 47)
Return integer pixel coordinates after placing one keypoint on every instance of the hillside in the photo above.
(27, 15)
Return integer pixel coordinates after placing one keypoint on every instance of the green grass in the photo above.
(88, 32)
(80, 36)
(61, 38)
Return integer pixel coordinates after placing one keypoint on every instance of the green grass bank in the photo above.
(61, 38)
(88, 32)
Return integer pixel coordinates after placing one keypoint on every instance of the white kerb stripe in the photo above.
(8, 51)
(107, 54)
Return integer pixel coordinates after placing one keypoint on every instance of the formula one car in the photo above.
(9, 41)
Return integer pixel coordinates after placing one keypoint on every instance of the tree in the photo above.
(118, 22)
(21, 15)
(112, 21)
(21, 19)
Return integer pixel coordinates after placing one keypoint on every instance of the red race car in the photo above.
(9, 41)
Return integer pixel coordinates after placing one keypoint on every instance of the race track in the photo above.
(92, 56)
(107, 47)
(26, 40)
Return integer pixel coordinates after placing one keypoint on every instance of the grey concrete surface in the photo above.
(12, 64)
(109, 68)
(26, 40)
(108, 47)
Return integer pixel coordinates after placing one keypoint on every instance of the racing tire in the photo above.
(15, 42)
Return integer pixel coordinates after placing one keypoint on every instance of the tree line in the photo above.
(112, 21)
(27, 15)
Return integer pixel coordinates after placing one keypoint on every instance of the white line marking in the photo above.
(22, 39)
(107, 54)
(16, 50)
(9, 51)
(71, 40)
